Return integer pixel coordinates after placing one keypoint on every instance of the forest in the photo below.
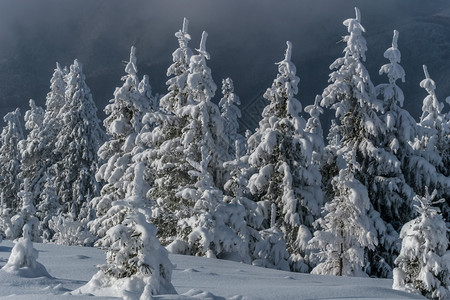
(172, 173)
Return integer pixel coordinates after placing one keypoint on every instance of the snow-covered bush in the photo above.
(211, 228)
(23, 258)
(421, 266)
(270, 249)
(69, 231)
(26, 216)
(137, 266)
(47, 208)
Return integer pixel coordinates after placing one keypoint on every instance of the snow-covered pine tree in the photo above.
(331, 162)
(159, 143)
(231, 114)
(123, 123)
(135, 256)
(212, 226)
(431, 144)
(352, 95)
(76, 144)
(48, 207)
(10, 159)
(281, 155)
(33, 164)
(179, 137)
(314, 128)
(204, 124)
(270, 249)
(26, 216)
(151, 101)
(247, 216)
(421, 266)
(393, 193)
(6, 227)
(177, 85)
(53, 122)
(346, 230)
(401, 129)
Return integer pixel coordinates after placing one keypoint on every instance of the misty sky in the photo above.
(246, 38)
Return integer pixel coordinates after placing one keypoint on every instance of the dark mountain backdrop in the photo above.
(245, 39)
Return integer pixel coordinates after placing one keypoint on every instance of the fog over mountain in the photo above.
(245, 39)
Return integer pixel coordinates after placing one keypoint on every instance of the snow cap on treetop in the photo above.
(77, 66)
(185, 25)
(358, 14)
(183, 35)
(426, 202)
(353, 25)
(315, 110)
(395, 39)
(428, 83)
(131, 66)
(202, 49)
(288, 54)
(58, 67)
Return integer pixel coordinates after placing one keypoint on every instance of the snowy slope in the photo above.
(194, 278)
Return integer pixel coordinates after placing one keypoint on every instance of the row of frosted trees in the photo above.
(275, 198)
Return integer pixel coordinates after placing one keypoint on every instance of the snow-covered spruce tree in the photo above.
(331, 162)
(179, 137)
(26, 215)
(432, 145)
(151, 101)
(10, 159)
(270, 250)
(137, 266)
(6, 227)
(53, 122)
(123, 122)
(159, 144)
(48, 207)
(421, 266)
(314, 128)
(246, 215)
(33, 164)
(231, 114)
(212, 227)
(76, 144)
(346, 230)
(204, 124)
(177, 85)
(281, 155)
(352, 95)
(401, 129)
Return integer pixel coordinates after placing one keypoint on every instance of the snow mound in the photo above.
(23, 259)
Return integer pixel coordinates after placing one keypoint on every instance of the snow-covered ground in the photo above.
(194, 277)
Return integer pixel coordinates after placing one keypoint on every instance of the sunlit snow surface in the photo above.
(194, 278)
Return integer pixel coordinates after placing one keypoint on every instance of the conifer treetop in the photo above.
(131, 68)
(425, 204)
(355, 44)
(183, 35)
(202, 49)
(393, 70)
(431, 106)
